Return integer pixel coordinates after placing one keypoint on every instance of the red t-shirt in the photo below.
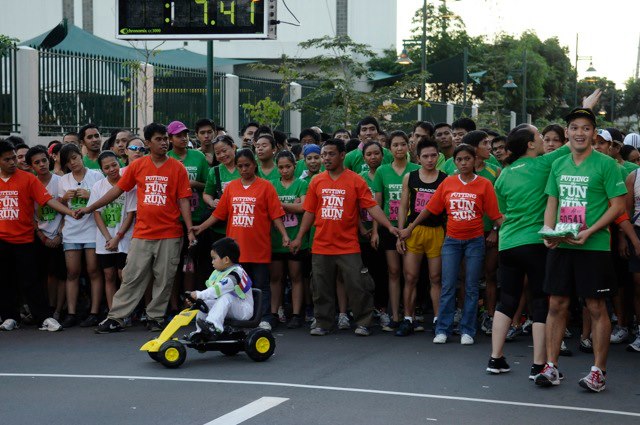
(17, 197)
(249, 213)
(336, 205)
(465, 205)
(159, 190)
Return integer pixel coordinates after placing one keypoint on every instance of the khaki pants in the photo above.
(357, 282)
(147, 259)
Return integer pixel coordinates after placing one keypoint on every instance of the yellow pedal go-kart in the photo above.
(238, 335)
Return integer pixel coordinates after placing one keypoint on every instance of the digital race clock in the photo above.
(196, 19)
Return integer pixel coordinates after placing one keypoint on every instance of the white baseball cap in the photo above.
(632, 139)
(605, 135)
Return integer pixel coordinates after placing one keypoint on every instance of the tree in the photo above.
(630, 102)
(265, 111)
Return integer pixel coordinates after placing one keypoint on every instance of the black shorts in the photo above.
(289, 256)
(53, 258)
(387, 240)
(117, 260)
(589, 273)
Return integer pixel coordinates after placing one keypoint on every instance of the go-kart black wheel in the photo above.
(153, 355)
(231, 350)
(259, 344)
(172, 354)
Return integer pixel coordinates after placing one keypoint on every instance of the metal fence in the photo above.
(180, 94)
(8, 91)
(253, 90)
(76, 89)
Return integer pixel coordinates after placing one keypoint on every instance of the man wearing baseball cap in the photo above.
(585, 187)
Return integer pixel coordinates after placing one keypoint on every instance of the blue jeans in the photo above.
(259, 274)
(453, 250)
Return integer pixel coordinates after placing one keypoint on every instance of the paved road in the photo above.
(76, 377)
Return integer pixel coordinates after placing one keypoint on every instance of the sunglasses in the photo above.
(140, 149)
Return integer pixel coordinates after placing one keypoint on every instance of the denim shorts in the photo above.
(78, 246)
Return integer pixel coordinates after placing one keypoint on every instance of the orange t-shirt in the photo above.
(17, 197)
(249, 213)
(465, 205)
(336, 205)
(159, 190)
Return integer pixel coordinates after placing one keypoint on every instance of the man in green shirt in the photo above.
(585, 187)
(92, 142)
(368, 131)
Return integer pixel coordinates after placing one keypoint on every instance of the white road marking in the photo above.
(327, 388)
(248, 411)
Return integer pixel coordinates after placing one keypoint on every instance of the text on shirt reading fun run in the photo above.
(243, 210)
(9, 205)
(155, 192)
(332, 204)
(462, 206)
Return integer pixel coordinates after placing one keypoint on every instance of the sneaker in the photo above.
(564, 350)
(154, 325)
(418, 326)
(527, 327)
(70, 321)
(513, 333)
(127, 322)
(362, 331)
(108, 326)
(343, 321)
(295, 322)
(594, 381)
(466, 339)
(50, 324)
(487, 324)
(419, 315)
(318, 331)
(56, 315)
(281, 316)
(207, 329)
(535, 370)
(308, 314)
(567, 333)
(313, 323)
(585, 345)
(548, 376)
(144, 317)
(384, 319)
(265, 325)
(90, 321)
(9, 325)
(497, 366)
(440, 339)
(391, 326)
(405, 328)
(619, 334)
(634, 347)
(457, 317)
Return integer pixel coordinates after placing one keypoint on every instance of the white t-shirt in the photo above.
(47, 218)
(83, 230)
(113, 215)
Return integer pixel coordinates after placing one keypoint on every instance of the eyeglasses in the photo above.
(140, 149)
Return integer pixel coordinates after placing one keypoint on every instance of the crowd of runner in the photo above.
(333, 229)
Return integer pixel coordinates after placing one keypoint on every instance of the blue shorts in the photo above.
(78, 246)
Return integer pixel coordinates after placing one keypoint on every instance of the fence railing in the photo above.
(8, 91)
(76, 89)
(253, 90)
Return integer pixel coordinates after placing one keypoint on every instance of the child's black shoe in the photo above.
(208, 329)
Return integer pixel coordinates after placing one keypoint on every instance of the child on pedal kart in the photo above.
(228, 292)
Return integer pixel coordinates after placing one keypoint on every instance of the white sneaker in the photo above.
(50, 324)
(281, 316)
(343, 322)
(634, 346)
(384, 319)
(440, 339)
(619, 334)
(9, 325)
(466, 339)
(265, 325)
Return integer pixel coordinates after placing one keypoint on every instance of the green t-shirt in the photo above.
(449, 167)
(583, 193)
(355, 161)
(493, 161)
(365, 217)
(441, 161)
(301, 167)
(91, 164)
(629, 167)
(210, 188)
(489, 172)
(521, 198)
(273, 175)
(389, 183)
(197, 167)
(291, 221)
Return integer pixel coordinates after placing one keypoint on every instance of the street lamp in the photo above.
(590, 72)
(404, 58)
(511, 85)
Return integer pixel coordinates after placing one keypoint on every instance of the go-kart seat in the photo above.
(257, 315)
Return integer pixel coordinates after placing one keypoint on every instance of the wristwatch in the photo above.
(496, 228)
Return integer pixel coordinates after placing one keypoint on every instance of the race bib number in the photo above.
(290, 220)
(574, 215)
(394, 207)
(112, 215)
(421, 200)
(46, 213)
(364, 215)
(77, 203)
(194, 201)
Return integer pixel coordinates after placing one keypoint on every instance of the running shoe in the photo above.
(391, 327)
(594, 381)
(497, 366)
(513, 333)
(487, 324)
(466, 339)
(585, 345)
(9, 325)
(265, 325)
(564, 350)
(362, 331)
(418, 326)
(281, 316)
(405, 328)
(90, 321)
(384, 319)
(318, 331)
(295, 322)
(549, 376)
(440, 339)
(50, 324)
(343, 321)
(619, 334)
(70, 321)
(419, 315)
(535, 370)
(527, 327)
(109, 326)
(567, 333)
(634, 347)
